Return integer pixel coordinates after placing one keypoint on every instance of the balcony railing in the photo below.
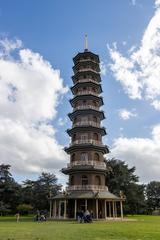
(87, 92)
(86, 107)
(86, 80)
(96, 164)
(86, 60)
(87, 123)
(87, 141)
(87, 69)
(87, 187)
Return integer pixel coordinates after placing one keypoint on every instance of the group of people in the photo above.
(40, 217)
(84, 216)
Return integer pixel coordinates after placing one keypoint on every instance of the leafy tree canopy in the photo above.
(119, 177)
(38, 192)
(153, 195)
(9, 189)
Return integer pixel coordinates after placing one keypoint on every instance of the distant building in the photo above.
(87, 169)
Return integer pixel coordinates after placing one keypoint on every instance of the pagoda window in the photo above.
(97, 180)
(96, 157)
(73, 156)
(76, 104)
(84, 180)
(95, 103)
(76, 91)
(95, 119)
(84, 156)
(94, 90)
(72, 180)
(84, 76)
(74, 137)
(84, 119)
(95, 136)
(84, 137)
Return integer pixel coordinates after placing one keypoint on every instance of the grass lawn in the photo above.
(143, 228)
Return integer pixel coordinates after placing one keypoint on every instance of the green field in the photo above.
(142, 227)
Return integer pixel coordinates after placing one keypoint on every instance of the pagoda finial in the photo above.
(86, 42)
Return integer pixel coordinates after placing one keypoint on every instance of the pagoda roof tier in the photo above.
(87, 146)
(87, 55)
(84, 112)
(87, 128)
(87, 73)
(86, 83)
(87, 194)
(85, 169)
(93, 65)
(86, 96)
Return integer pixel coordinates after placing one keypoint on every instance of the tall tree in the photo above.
(120, 177)
(9, 189)
(37, 192)
(153, 195)
(4, 208)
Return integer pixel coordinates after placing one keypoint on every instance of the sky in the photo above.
(38, 40)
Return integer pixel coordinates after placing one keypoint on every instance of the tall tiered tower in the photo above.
(87, 169)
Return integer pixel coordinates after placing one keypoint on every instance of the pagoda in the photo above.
(87, 189)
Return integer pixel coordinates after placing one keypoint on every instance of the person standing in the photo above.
(17, 215)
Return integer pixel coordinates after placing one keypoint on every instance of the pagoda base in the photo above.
(101, 205)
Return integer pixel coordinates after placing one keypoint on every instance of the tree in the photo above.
(120, 177)
(135, 200)
(33, 193)
(24, 208)
(37, 192)
(153, 196)
(9, 189)
(4, 208)
(4, 172)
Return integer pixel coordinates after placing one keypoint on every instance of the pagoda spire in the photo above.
(86, 43)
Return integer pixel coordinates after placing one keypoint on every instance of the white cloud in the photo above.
(133, 2)
(139, 72)
(157, 3)
(124, 43)
(143, 153)
(156, 104)
(122, 69)
(62, 121)
(132, 49)
(126, 114)
(7, 46)
(103, 68)
(30, 90)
